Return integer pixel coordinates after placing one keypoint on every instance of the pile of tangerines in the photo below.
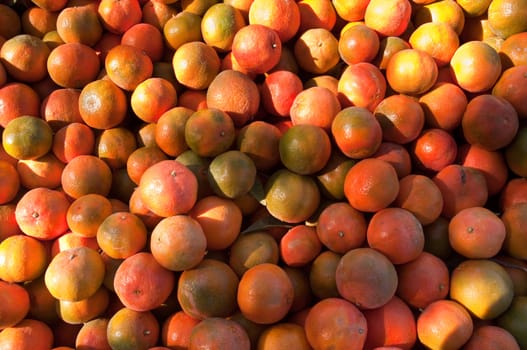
(263, 174)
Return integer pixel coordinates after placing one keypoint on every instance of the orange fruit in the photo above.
(13, 268)
(170, 130)
(444, 324)
(299, 245)
(316, 50)
(330, 178)
(38, 21)
(252, 249)
(79, 24)
(371, 184)
(41, 172)
(16, 304)
(514, 217)
(141, 159)
(87, 212)
(260, 141)
(433, 149)
(446, 11)
(356, 131)
(392, 324)
(324, 80)
(176, 329)
(74, 274)
(195, 64)
(513, 193)
(24, 57)
(361, 85)
(102, 104)
(219, 25)
(350, 10)
(235, 94)
(335, 323)
(73, 140)
(199, 166)
(278, 92)
(93, 333)
(27, 334)
(316, 14)
(147, 37)
(388, 18)
(41, 213)
(284, 335)
(304, 148)
(258, 301)
(141, 283)
(507, 17)
(208, 290)
(60, 107)
(510, 87)
(411, 71)
(119, 16)
(438, 39)
(283, 16)
(487, 336)
(397, 155)
(231, 174)
(476, 66)
(127, 66)
(481, 129)
(193, 99)
(220, 220)
(219, 333)
(178, 242)
(8, 224)
(79, 312)
(341, 228)
(512, 319)
(443, 106)
(17, 99)
(401, 118)
(366, 278)
(260, 55)
(153, 97)
(491, 163)
(291, 197)
(10, 182)
(316, 105)
(181, 28)
(511, 52)
(423, 280)
(115, 145)
(121, 234)
(396, 233)
(86, 174)
(420, 195)
(461, 187)
(73, 65)
(27, 137)
(70, 240)
(483, 287)
(322, 278)
(388, 46)
(11, 23)
(359, 43)
(168, 188)
(132, 329)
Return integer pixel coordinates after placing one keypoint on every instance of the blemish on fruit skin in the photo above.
(470, 229)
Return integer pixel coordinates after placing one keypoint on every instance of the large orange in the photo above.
(195, 64)
(22, 258)
(27, 334)
(147, 37)
(102, 104)
(359, 43)
(178, 242)
(24, 57)
(483, 287)
(284, 335)
(132, 329)
(397, 155)
(121, 234)
(169, 131)
(118, 16)
(141, 283)
(27, 137)
(251, 249)
(514, 218)
(299, 246)
(153, 97)
(443, 106)
(41, 172)
(93, 333)
(366, 278)
(168, 188)
(176, 329)
(260, 141)
(16, 304)
(507, 17)
(397, 233)
(283, 16)
(127, 66)
(73, 65)
(278, 92)
(260, 55)
(265, 293)
(316, 14)
(362, 85)
(316, 50)
(9, 182)
(510, 86)
(388, 18)
(180, 28)
(219, 25)
(316, 105)
(476, 66)
(11, 23)
(235, 94)
(436, 38)
(17, 99)
(371, 184)
(208, 290)
(411, 71)
(433, 149)
(75, 274)
(446, 11)
(219, 333)
(335, 323)
(488, 336)
(392, 324)
(79, 24)
(511, 52)
(86, 174)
